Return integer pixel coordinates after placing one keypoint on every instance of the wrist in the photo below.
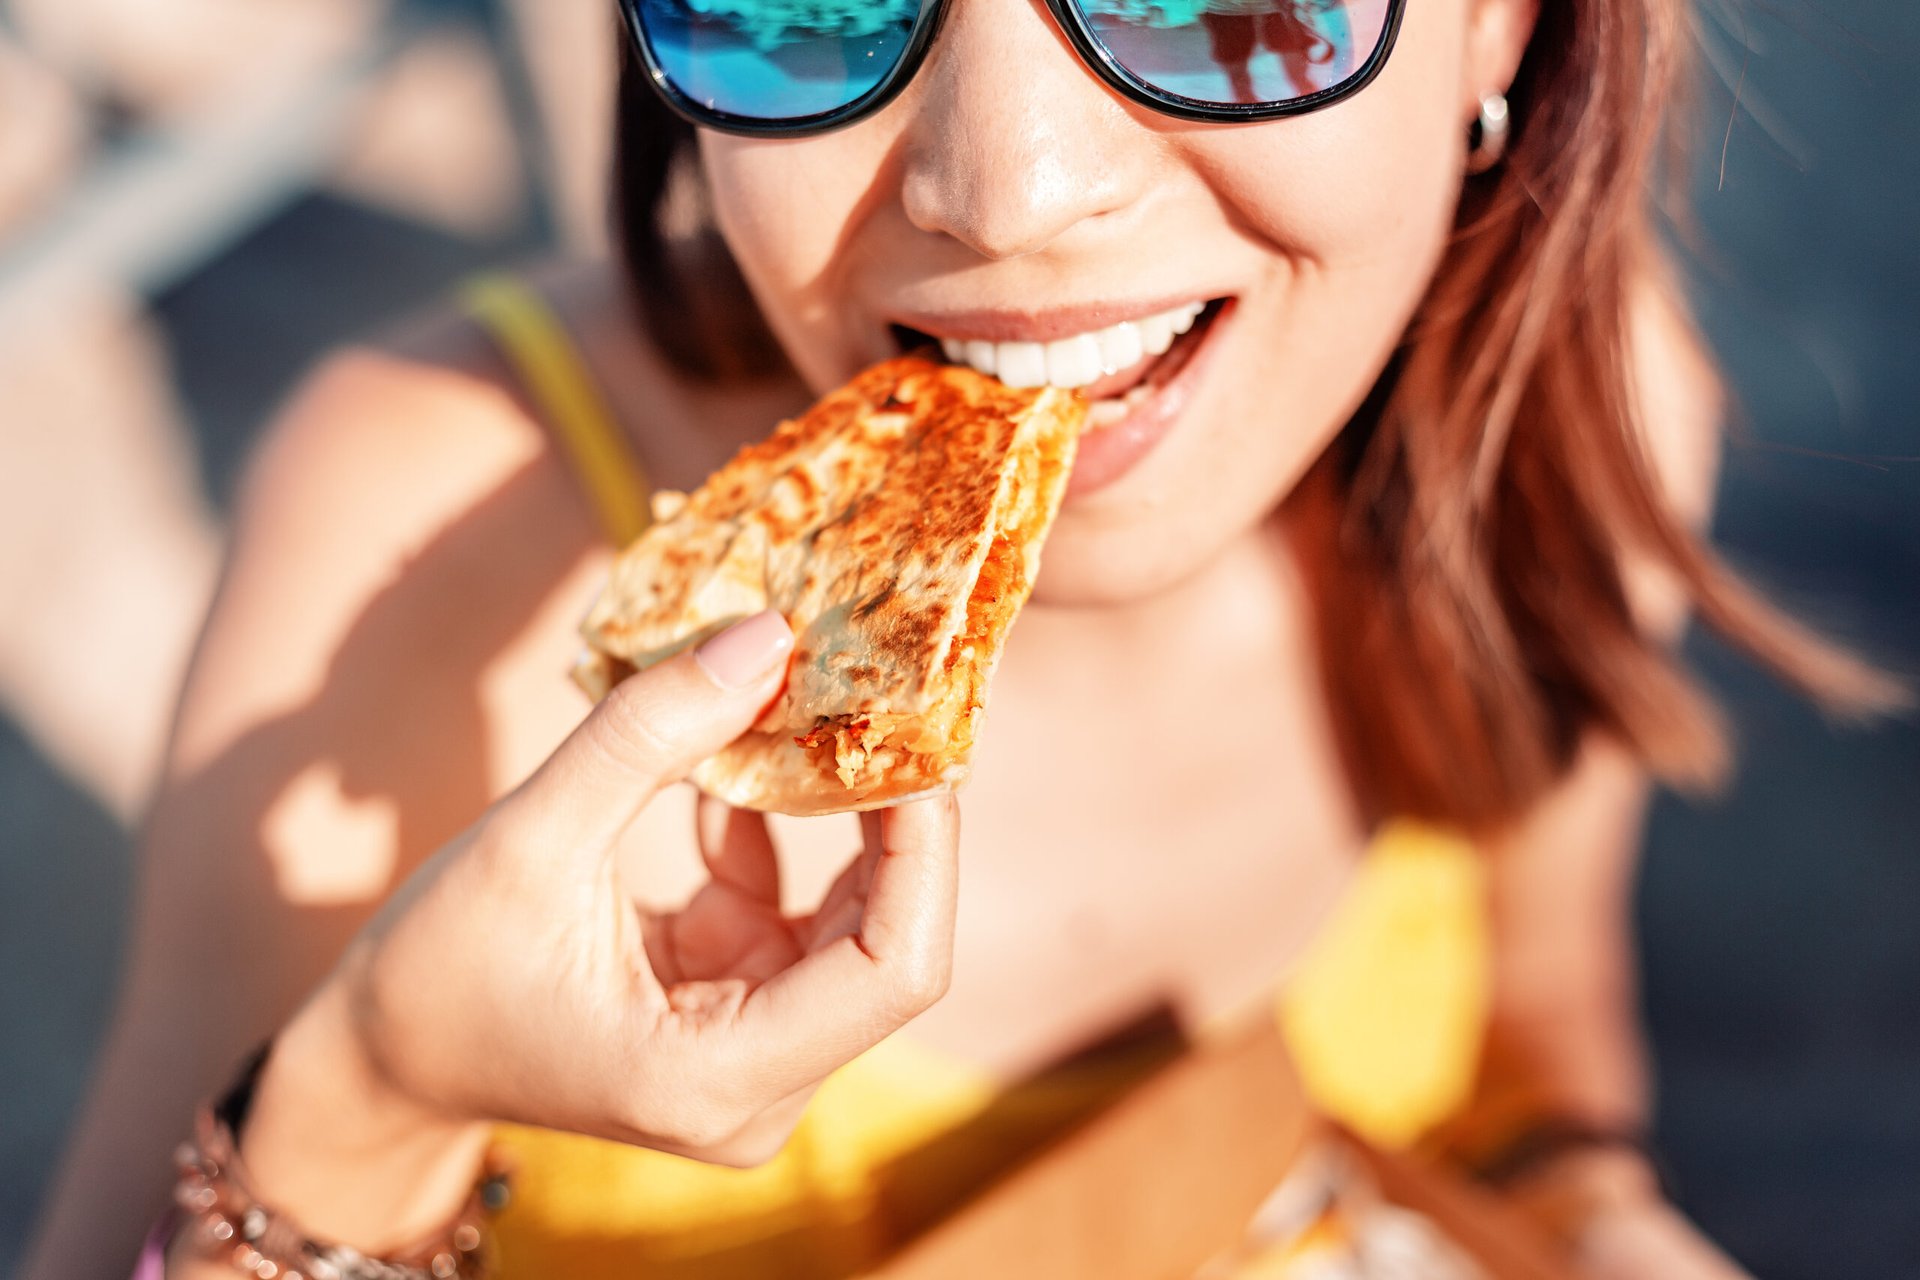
(335, 1143)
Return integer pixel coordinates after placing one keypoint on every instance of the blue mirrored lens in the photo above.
(777, 59)
(1226, 51)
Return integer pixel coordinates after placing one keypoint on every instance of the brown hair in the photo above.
(1467, 535)
(683, 281)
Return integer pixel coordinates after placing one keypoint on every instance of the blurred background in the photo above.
(197, 198)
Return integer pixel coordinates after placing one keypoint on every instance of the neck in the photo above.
(1221, 669)
(1245, 611)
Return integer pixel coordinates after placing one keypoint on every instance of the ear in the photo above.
(1497, 35)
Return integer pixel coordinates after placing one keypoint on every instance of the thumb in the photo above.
(654, 728)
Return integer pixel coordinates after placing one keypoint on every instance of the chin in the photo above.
(1101, 566)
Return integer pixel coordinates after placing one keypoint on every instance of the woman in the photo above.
(1399, 534)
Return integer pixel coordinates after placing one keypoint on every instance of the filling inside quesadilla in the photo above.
(860, 746)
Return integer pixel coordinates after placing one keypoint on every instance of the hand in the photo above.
(512, 979)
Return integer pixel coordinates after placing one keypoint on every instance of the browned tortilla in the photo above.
(897, 525)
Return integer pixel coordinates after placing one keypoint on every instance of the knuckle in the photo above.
(921, 982)
(625, 729)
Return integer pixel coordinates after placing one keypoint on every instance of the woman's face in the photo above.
(1010, 196)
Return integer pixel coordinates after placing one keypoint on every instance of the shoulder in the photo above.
(401, 436)
(1680, 397)
(409, 498)
(415, 426)
(397, 471)
(1680, 406)
(382, 452)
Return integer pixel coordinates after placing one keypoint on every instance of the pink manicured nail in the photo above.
(746, 651)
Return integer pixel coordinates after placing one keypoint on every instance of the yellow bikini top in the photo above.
(1385, 1018)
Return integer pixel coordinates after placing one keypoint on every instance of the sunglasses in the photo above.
(791, 67)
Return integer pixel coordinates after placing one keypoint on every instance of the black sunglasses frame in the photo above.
(926, 26)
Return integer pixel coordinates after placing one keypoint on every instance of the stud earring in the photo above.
(1487, 137)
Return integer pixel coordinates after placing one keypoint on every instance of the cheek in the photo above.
(1374, 178)
(1352, 209)
(786, 210)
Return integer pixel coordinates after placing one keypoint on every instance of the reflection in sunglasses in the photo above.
(791, 58)
(777, 59)
(1234, 50)
(768, 24)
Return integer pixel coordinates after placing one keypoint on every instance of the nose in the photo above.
(1013, 143)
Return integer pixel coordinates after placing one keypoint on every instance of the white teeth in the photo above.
(1073, 362)
(1156, 334)
(1021, 364)
(1080, 360)
(1120, 347)
(1104, 413)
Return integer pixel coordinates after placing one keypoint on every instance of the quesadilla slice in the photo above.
(897, 525)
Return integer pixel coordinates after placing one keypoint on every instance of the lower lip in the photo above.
(1109, 453)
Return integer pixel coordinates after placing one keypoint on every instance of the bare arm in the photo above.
(329, 736)
(1564, 1038)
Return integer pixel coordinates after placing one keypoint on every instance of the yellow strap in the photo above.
(1387, 1011)
(544, 358)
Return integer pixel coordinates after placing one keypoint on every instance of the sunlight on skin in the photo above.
(329, 848)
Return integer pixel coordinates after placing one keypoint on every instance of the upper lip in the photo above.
(1040, 325)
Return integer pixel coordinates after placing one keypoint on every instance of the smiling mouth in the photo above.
(1115, 368)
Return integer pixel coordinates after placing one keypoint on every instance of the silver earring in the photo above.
(1487, 141)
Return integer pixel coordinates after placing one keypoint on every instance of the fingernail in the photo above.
(745, 651)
